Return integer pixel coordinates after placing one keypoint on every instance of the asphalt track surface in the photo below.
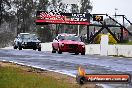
(68, 63)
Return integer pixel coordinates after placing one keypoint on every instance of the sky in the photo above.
(108, 6)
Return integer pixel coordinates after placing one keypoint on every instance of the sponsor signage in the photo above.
(97, 18)
(82, 77)
(62, 18)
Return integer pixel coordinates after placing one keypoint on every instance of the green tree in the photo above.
(86, 6)
(3, 9)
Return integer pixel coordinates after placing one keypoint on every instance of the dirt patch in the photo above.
(60, 77)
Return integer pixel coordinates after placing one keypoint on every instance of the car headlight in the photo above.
(37, 43)
(25, 42)
(62, 44)
(83, 46)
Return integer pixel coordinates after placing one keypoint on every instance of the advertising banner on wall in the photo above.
(43, 18)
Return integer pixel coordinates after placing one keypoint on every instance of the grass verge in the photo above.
(16, 76)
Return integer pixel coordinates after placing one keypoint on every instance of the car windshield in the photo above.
(26, 36)
(33, 36)
(73, 38)
(29, 36)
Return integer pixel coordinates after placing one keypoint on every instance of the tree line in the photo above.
(18, 16)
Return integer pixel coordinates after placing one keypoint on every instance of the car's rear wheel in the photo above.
(53, 50)
(34, 48)
(83, 53)
(39, 49)
(76, 53)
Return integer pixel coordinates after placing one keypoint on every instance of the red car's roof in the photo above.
(65, 34)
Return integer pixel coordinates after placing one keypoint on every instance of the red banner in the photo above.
(62, 18)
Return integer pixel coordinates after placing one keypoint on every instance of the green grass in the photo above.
(126, 43)
(11, 77)
(130, 43)
(123, 43)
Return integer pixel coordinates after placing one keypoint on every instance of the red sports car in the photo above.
(68, 43)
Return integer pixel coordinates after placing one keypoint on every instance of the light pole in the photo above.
(78, 31)
(115, 11)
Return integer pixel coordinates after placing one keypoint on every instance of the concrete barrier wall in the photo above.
(93, 49)
(124, 50)
(119, 50)
(46, 46)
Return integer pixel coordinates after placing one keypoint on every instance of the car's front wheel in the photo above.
(20, 48)
(59, 51)
(53, 50)
(39, 49)
(15, 47)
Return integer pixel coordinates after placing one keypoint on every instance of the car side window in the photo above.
(58, 37)
(61, 37)
(18, 37)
